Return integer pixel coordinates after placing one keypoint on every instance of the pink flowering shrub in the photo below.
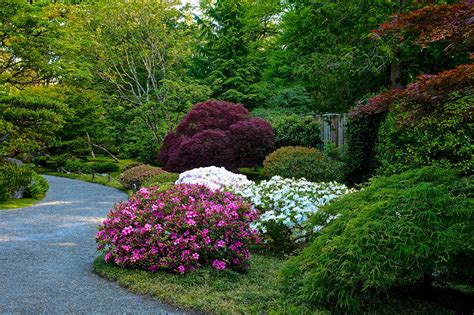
(184, 228)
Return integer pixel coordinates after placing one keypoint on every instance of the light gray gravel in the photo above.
(46, 252)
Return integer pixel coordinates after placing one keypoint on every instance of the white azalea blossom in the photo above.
(213, 177)
(288, 201)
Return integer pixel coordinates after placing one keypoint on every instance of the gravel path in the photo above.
(46, 252)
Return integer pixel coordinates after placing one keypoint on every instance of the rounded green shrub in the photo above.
(37, 188)
(12, 178)
(164, 181)
(299, 162)
(401, 232)
(104, 167)
(53, 162)
(77, 166)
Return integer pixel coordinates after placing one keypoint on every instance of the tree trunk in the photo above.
(90, 145)
(396, 70)
(107, 151)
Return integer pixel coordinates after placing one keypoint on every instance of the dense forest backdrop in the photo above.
(113, 77)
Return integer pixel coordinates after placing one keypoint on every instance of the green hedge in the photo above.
(402, 231)
(104, 167)
(77, 166)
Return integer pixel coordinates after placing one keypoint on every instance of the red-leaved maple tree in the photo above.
(453, 24)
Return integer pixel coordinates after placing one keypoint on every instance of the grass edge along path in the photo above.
(211, 291)
(12, 203)
(101, 180)
(226, 292)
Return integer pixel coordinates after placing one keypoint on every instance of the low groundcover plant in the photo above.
(184, 228)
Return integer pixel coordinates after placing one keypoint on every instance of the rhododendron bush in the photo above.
(184, 228)
(286, 204)
(213, 177)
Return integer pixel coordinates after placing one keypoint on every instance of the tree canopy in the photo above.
(125, 72)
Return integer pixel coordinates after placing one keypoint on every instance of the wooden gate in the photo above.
(332, 128)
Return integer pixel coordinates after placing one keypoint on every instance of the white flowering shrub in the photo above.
(286, 204)
(213, 178)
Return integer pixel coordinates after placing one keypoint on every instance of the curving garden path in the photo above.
(46, 252)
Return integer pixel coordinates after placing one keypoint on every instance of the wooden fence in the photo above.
(332, 128)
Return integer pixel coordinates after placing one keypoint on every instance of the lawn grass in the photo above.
(17, 203)
(211, 291)
(102, 180)
(225, 292)
(98, 179)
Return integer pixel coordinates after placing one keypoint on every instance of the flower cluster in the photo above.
(213, 177)
(179, 230)
(288, 202)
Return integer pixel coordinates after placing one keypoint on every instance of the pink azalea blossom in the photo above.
(188, 228)
(218, 264)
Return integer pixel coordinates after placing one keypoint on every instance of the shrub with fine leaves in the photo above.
(402, 231)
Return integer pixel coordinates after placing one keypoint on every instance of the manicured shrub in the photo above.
(299, 162)
(138, 175)
(37, 188)
(400, 232)
(104, 167)
(77, 166)
(13, 178)
(56, 161)
(293, 130)
(286, 205)
(184, 228)
(213, 178)
(216, 133)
